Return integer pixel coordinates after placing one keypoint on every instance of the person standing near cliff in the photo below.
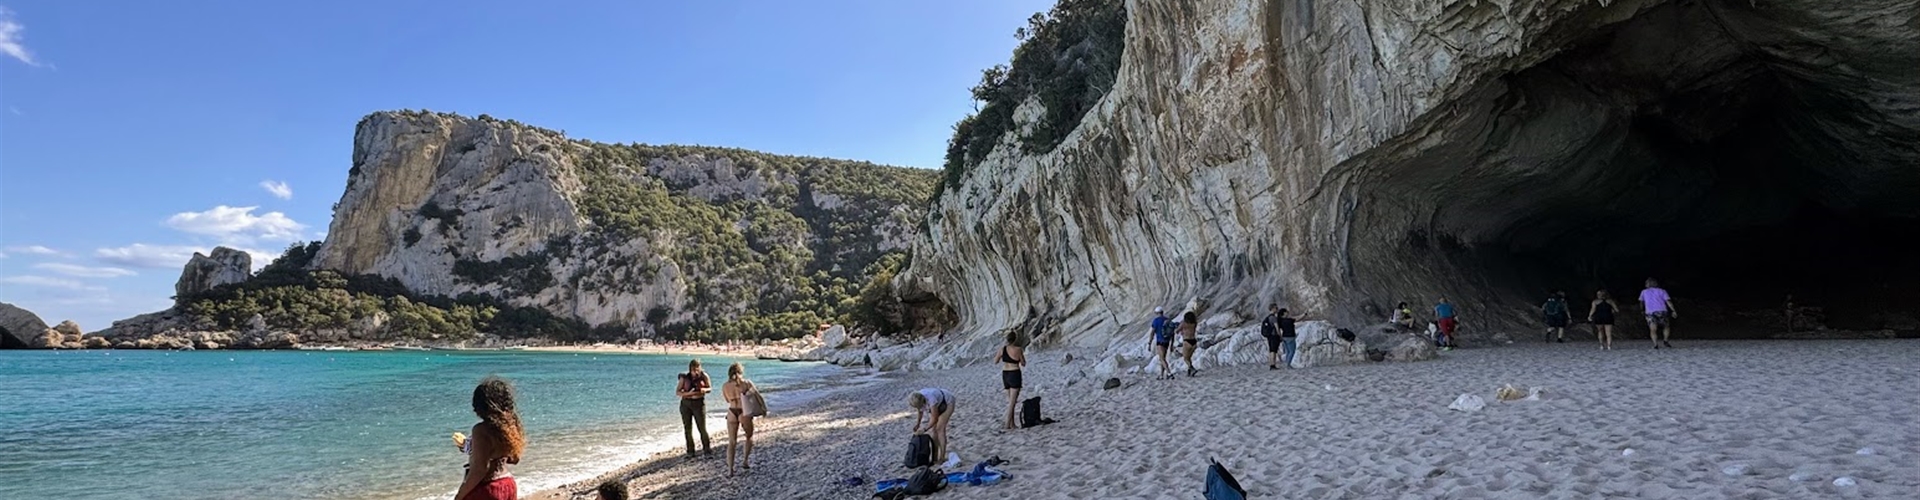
(1557, 316)
(1660, 313)
(1189, 331)
(692, 390)
(1448, 322)
(1012, 358)
(1601, 315)
(1162, 338)
(1270, 330)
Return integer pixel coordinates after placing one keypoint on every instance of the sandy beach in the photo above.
(1723, 419)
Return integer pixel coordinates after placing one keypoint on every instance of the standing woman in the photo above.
(1601, 315)
(1012, 358)
(1190, 333)
(496, 443)
(735, 391)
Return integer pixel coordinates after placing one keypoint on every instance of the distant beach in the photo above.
(1711, 419)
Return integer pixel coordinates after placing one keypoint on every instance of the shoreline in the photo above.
(1710, 419)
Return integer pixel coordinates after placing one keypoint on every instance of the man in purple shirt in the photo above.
(1660, 313)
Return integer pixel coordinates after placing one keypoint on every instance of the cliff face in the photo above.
(630, 237)
(203, 272)
(1338, 157)
(20, 328)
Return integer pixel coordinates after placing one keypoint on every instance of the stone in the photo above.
(1111, 384)
(836, 337)
(68, 328)
(50, 339)
(20, 328)
(1339, 157)
(1412, 348)
(256, 324)
(126, 344)
(1473, 403)
(98, 343)
(205, 271)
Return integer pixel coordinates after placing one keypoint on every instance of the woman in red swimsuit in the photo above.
(496, 443)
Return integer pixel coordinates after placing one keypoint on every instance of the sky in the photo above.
(133, 134)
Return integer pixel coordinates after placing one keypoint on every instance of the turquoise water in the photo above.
(315, 424)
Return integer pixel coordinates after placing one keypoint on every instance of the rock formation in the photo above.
(20, 328)
(632, 238)
(222, 266)
(1338, 157)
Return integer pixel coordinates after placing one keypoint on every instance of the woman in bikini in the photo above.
(1012, 358)
(1189, 333)
(496, 443)
(738, 419)
(1601, 315)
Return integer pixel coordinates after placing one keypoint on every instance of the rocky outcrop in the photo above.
(20, 328)
(221, 266)
(635, 238)
(1338, 157)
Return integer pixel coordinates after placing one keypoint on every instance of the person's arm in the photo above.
(1590, 309)
(919, 415)
(1671, 311)
(479, 463)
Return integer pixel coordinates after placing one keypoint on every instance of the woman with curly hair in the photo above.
(496, 443)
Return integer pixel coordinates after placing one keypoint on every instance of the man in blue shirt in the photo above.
(1448, 322)
(1162, 337)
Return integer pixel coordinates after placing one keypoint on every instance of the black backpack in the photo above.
(1030, 413)
(926, 482)
(920, 451)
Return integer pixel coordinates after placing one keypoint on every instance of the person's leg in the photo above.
(700, 421)
(1013, 402)
(1653, 330)
(1273, 354)
(1187, 356)
(733, 436)
(940, 422)
(1291, 346)
(686, 425)
(746, 458)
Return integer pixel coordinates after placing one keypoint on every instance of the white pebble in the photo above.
(1626, 452)
(1800, 476)
(1329, 387)
(1865, 451)
(1843, 482)
(1734, 470)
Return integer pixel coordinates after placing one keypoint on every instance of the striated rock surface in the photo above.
(1338, 157)
(630, 238)
(20, 328)
(221, 266)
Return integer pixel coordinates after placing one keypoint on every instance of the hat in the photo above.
(1158, 309)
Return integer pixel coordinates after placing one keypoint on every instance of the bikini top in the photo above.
(1004, 357)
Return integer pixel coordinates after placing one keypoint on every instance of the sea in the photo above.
(156, 425)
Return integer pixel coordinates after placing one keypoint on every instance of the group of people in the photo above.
(692, 389)
(1655, 303)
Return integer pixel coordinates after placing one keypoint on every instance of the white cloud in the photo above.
(148, 256)
(10, 38)
(45, 282)
(83, 271)
(33, 250)
(279, 189)
(237, 224)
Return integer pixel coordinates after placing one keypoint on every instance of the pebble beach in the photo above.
(1720, 419)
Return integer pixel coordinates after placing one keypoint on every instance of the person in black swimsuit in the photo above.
(1189, 332)
(1601, 315)
(1012, 358)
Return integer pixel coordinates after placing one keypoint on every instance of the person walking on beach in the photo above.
(1660, 313)
(735, 392)
(1600, 313)
(1270, 330)
(1012, 358)
(1189, 331)
(1448, 323)
(496, 443)
(934, 406)
(1162, 339)
(692, 390)
(1557, 316)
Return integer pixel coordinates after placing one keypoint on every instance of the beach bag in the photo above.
(926, 482)
(1221, 485)
(919, 451)
(753, 403)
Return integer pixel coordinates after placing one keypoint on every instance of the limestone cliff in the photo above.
(1338, 157)
(633, 238)
(20, 328)
(204, 271)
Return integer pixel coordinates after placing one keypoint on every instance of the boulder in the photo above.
(1320, 345)
(206, 271)
(98, 343)
(126, 344)
(1110, 384)
(49, 339)
(68, 328)
(836, 337)
(1412, 348)
(20, 327)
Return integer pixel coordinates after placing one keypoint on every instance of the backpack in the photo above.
(919, 451)
(926, 482)
(1221, 485)
(1030, 413)
(1556, 307)
(754, 404)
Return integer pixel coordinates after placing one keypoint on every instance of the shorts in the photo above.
(1161, 344)
(1010, 379)
(1273, 344)
(1557, 321)
(1447, 325)
(1659, 318)
(1603, 319)
(1192, 342)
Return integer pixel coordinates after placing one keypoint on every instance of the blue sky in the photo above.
(133, 134)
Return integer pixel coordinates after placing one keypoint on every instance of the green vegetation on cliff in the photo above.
(1067, 60)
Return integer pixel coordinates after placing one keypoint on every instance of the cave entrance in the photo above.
(1708, 144)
